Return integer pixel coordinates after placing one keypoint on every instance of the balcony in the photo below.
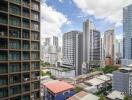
(16, 1)
(15, 67)
(34, 46)
(15, 78)
(14, 21)
(3, 68)
(16, 98)
(34, 36)
(26, 97)
(35, 6)
(26, 77)
(35, 76)
(25, 45)
(26, 55)
(3, 92)
(26, 3)
(35, 26)
(25, 23)
(35, 85)
(35, 16)
(14, 56)
(35, 56)
(26, 66)
(15, 33)
(26, 13)
(16, 10)
(15, 90)
(3, 19)
(14, 44)
(25, 34)
(35, 95)
(26, 87)
(35, 65)
(4, 6)
(3, 56)
(3, 31)
(3, 43)
(3, 80)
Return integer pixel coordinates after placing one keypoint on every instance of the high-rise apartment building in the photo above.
(19, 50)
(127, 32)
(109, 45)
(55, 41)
(72, 50)
(91, 46)
(122, 80)
(47, 41)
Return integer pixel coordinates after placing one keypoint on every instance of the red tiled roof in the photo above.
(58, 86)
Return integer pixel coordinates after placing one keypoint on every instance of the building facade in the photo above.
(19, 50)
(127, 32)
(91, 46)
(109, 45)
(122, 80)
(72, 50)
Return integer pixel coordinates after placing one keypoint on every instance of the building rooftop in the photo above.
(126, 68)
(58, 86)
(95, 81)
(116, 95)
(103, 77)
(83, 96)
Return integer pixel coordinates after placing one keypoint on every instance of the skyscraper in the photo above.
(127, 32)
(19, 49)
(109, 45)
(47, 41)
(91, 46)
(55, 41)
(72, 50)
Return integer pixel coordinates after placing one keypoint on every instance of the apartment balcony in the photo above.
(15, 67)
(26, 66)
(14, 9)
(16, 1)
(35, 76)
(15, 78)
(35, 95)
(14, 32)
(25, 23)
(25, 45)
(35, 26)
(26, 13)
(3, 56)
(25, 34)
(3, 80)
(26, 97)
(26, 87)
(35, 36)
(3, 92)
(15, 90)
(14, 44)
(3, 43)
(25, 3)
(35, 16)
(3, 68)
(35, 85)
(35, 56)
(35, 65)
(14, 56)
(35, 6)
(3, 31)
(3, 19)
(26, 77)
(14, 21)
(4, 6)
(26, 56)
(34, 46)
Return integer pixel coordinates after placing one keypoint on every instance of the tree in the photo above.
(102, 97)
(126, 98)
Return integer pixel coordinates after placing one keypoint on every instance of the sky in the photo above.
(61, 16)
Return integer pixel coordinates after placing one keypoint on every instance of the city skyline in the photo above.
(62, 19)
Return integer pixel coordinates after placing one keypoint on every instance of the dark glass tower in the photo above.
(19, 49)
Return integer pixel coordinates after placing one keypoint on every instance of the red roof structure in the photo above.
(58, 86)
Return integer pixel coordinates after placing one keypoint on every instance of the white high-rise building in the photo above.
(91, 46)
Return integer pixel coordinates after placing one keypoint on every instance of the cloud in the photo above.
(109, 10)
(61, 1)
(51, 21)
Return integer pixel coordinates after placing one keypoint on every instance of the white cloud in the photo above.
(109, 10)
(51, 21)
(61, 1)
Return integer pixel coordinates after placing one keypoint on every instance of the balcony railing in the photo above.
(16, 1)
(34, 36)
(3, 80)
(15, 67)
(14, 44)
(15, 33)
(3, 20)
(3, 56)
(3, 68)
(15, 78)
(15, 10)
(25, 67)
(15, 22)
(3, 92)
(14, 56)
(15, 90)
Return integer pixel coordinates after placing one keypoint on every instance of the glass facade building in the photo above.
(19, 50)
